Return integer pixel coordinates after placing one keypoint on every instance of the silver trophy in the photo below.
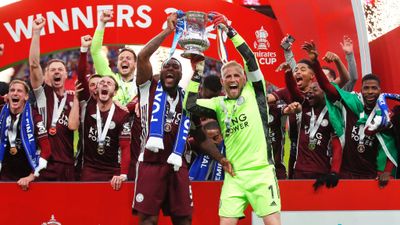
(194, 37)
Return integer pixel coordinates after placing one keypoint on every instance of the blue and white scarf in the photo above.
(156, 134)
(27, 134)
(384, 107)
(204, 168)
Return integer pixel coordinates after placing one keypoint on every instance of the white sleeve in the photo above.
(41, 102)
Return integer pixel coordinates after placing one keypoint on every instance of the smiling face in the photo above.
(126, 63)
(303, 75)
(170, 74)
(106, 89)
(233, 79)
(17, 96)
(370, 91)
(315, 95)
(57, 74)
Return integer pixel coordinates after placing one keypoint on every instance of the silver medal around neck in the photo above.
(100, 149)
(167, 127)
(361, 148)
(240, 100)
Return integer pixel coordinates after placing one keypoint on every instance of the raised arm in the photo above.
(36, 73)
(208, 147)
(287, 50)
(251, 67)
(323, 81)
(330, 91)
(295, 93)
(100, 61)
(192, 103)
(344, 76)
(144, 68)
(124, 143)
(347, 46)
(82, 68)
(73, 117)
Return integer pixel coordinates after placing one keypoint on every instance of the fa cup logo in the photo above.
(261, 43)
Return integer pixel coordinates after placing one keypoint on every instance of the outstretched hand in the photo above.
(220, 20)
(331, 180)
(283, 67)
(292, 108)
(116, 181)
(383, 179)
(38, 24)
(347, 45)
(106, 16)
(330, 57)
(311, 50)
(24, 181)
(197, 61)
(171, 21)
(86, 41)
(227, 166)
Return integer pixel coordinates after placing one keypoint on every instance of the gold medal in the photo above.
(13, 151)
(53, 131)
(167, 127)
(361, 148)
(100, 149)
(312, 144)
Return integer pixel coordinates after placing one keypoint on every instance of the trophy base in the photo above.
(193, 54)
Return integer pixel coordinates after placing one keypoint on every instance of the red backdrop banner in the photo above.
(324, 22)
(97, 203)
(385, 55)
(135, 22)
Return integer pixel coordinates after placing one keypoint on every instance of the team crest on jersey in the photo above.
(139, 197)
(324, 122)
(270, 118)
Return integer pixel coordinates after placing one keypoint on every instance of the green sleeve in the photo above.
(251, 67)
(199, 107)
(351, 100)
(100, 62)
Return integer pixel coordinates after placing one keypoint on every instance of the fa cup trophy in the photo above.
(194, 35)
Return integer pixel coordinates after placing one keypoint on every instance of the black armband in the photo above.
(231, 32)
(197, 77)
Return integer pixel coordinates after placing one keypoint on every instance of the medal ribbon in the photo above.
(180, 26)
(172, 106)
(57, 108)
(101, 134)
(12, 133)
(315, 125)
(361, 131)
(228, 119)
(222, 53)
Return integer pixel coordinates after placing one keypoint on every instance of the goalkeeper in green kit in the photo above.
(243, 117)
